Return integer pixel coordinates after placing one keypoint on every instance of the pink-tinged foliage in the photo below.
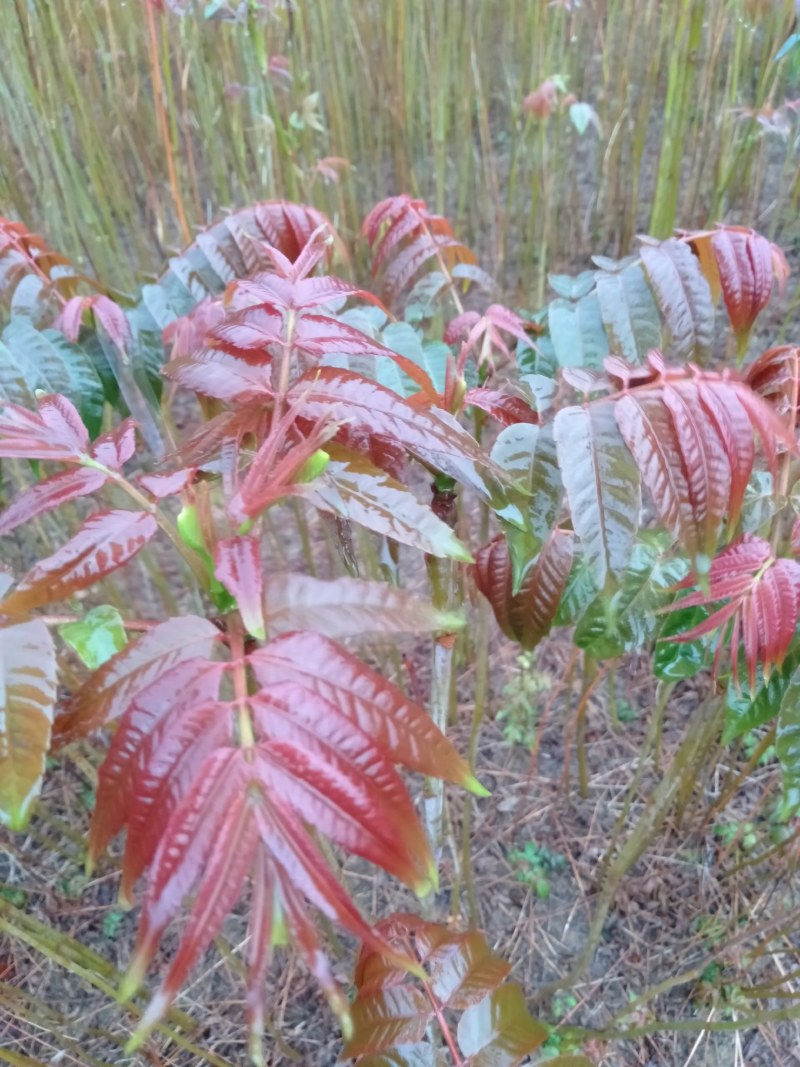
(50, 493)
(55, 432)
(525, 616)
(505, 408)
(202, 812)
(185, 335)
(691, 434)
(105, 542)
(111, 688)
(106, 312)
(756, 598)
(741, 264)
(237, 565)
(775, 376)
(403, 729)
(484, 333)
(405, 238)
(395, 1014)
(27, 696)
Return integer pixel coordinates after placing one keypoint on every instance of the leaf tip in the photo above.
(472, 785)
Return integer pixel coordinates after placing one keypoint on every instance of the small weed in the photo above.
(112, 921)
(534, 864)
(519, 713)
(745, 833)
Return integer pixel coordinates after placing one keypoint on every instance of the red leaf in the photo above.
(412, 236)
(189, 332)
(506, 408)
(116, 447)
(55, 432)
(50, 493)
(249, 331)
(106, 542)
(27, 695)
(237, 564)
(180, 859)
(763, 597)
(401, 728)
(217, 374)
(70, 317)
(110, 690)
(649, 433)
(335, 777)
(161, 486)
(775, 376)
(223, 875)
(347, 607)
(527, 616)
(164, 734)
(113, 320)
(744, 262)
(275, 291)
(434, 437)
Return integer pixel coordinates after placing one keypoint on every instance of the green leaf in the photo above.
(579, 592)
(673, 660)
(96, 637)
(602, 484)
(745, 710)
(528, 454)
(60, 367)
(572, 286)
(628, 621)
(787, 741)
(577, 333)
(629, 312)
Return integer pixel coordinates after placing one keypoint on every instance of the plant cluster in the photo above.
(249, 746)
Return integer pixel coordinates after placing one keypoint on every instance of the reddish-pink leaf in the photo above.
(775, 376)
(55, 432)
(27, 695)
(113, 320)
(744, 263)
(434, 436)
(163, 736)
(50, 493)
(106, 542)
(507, 408)
(704, 460)
(180, 859)
(763, 597)
(527, 616)
(189, 332)
(346, 607)
(248, 332)
(70, 317)
(163, 485)
(110, 690)
(116, 447)
(223, 875)
(237, 564)
(649, 433)
(218, 374)
(336, 779)
(401, 728)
